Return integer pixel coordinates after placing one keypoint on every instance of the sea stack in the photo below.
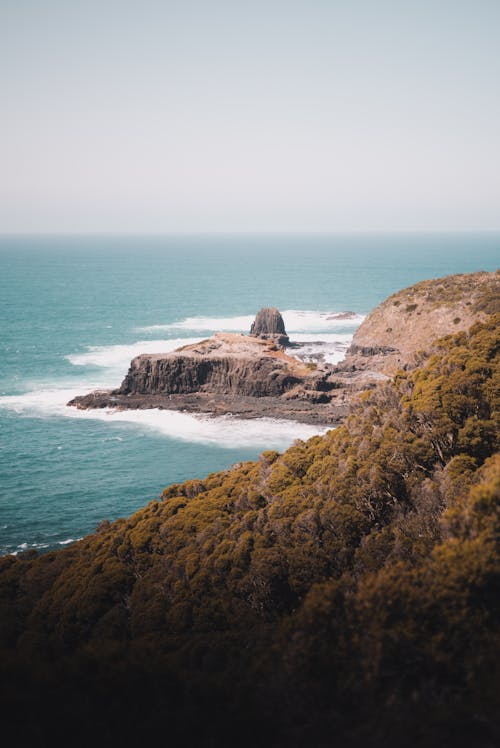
(269, 325)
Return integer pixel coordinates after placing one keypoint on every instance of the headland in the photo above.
(257, 375)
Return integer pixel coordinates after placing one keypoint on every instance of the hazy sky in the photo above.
(249, 115)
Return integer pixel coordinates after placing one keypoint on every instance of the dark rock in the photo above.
(269, 324)
(370, 350)
(181, 374)
(229, 373)
(309, 408)
(343, 316)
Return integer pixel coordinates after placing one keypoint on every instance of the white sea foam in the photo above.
(43, 402)
(205, 324)
(314, 331)
(119, 356)
(296, 320)
(116, 358)
(328, 347)
(22, 547)
(223, 431)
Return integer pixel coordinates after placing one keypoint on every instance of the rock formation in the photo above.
(251, 376)
(227, 363)
(404, 324)
(269, 325)
(229, 373)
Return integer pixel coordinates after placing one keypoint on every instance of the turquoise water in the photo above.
(75, 310)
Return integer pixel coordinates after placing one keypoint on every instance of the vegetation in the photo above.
(480, 289)
(345, 592)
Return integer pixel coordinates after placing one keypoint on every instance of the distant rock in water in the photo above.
(228, 373)
(269, 324)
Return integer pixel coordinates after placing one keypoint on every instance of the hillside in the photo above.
(343, 593)
(404, 323)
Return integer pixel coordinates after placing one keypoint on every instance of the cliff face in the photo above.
(176, 374)
(252, 376)
(405, 323)
(228, 373)
(225, 364)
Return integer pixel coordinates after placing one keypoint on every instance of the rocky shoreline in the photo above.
(255, 375)
(246, 376)
(238, 406)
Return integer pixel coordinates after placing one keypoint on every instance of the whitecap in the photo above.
(22, 547)
(209, 324)
(43, 402)
(119, 356)
(329, 348)
(222, 431)
(296, 320)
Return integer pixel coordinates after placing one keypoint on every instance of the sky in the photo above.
(264, 116)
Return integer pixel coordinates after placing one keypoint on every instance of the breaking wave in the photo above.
(318, 336)
(296, 320)
(119, 356)
(329, 348)
(223, 431)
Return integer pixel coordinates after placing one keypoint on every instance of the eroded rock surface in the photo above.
(232, 373)
(269, 325)
(251, 376)
(227, 363)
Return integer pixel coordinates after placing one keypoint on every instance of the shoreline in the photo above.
(238, 406)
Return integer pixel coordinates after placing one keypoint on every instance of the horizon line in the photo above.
(246, 233)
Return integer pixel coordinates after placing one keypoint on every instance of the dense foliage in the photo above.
(345, 592)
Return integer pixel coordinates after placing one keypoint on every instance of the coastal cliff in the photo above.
(393, 334)
(227, 363)
(347, 587)
(245, 375)
(253, 376)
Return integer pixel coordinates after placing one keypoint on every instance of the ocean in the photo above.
(75, 310)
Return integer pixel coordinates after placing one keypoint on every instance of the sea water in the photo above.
(74, 311)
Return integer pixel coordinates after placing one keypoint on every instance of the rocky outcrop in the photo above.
(228, 373)
(251, 376)
(313, 407)
(393, 334)
(269, 325)
(226, 364)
